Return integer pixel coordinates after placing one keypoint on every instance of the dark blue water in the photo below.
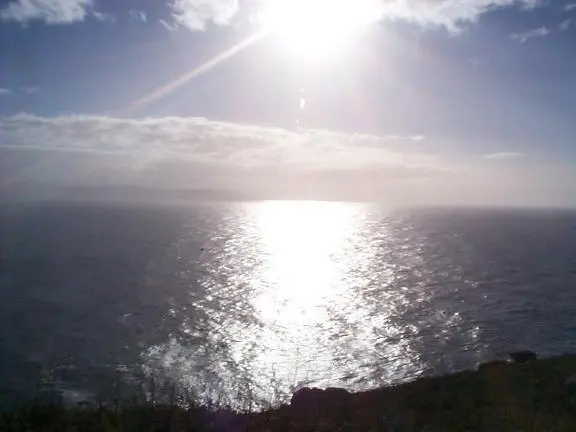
(275, 295)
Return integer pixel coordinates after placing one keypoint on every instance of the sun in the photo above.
(318, 26)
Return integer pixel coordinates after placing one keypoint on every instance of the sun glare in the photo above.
(318, 26)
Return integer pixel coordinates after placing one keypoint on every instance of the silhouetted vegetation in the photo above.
(531, 396)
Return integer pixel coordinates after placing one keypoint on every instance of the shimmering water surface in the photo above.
(257, 299)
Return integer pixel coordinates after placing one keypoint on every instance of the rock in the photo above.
(492, 364)
(523, 356)
(571, 390)
(313, 399)
(225, 421)
(571, 382)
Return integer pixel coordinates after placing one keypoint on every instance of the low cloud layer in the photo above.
(266, 162)
(199, 153)
(217, 143)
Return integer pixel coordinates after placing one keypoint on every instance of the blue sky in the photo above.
(467, 101)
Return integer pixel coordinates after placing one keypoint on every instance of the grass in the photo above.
(142, 418)
(517, 397)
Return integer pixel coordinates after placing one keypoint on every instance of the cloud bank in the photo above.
(264, 162)
(269, 163)
(216, 143)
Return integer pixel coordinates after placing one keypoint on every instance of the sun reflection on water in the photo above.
(303, 245)
(289, 293)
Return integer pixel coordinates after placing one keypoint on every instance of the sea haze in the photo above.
(256, 299)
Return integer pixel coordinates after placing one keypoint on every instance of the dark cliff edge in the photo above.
(523, 394)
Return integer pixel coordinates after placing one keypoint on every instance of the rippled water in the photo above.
(256, 299)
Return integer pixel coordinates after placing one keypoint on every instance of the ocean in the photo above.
(253, 300)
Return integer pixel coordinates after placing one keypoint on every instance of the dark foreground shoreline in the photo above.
(535, 395)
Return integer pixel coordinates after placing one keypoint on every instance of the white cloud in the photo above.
(270, 163)
(199, 153)
(30, 89)
(570, 7)
(49, 11)
(23, 89)
(167, 25)
(196, 14)
(565, 25)
(531, 34)
(138, 15)
(504, 155)
(104, 17)
(452, 14)
(448, 13)
(541, 32)
(211, 142)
